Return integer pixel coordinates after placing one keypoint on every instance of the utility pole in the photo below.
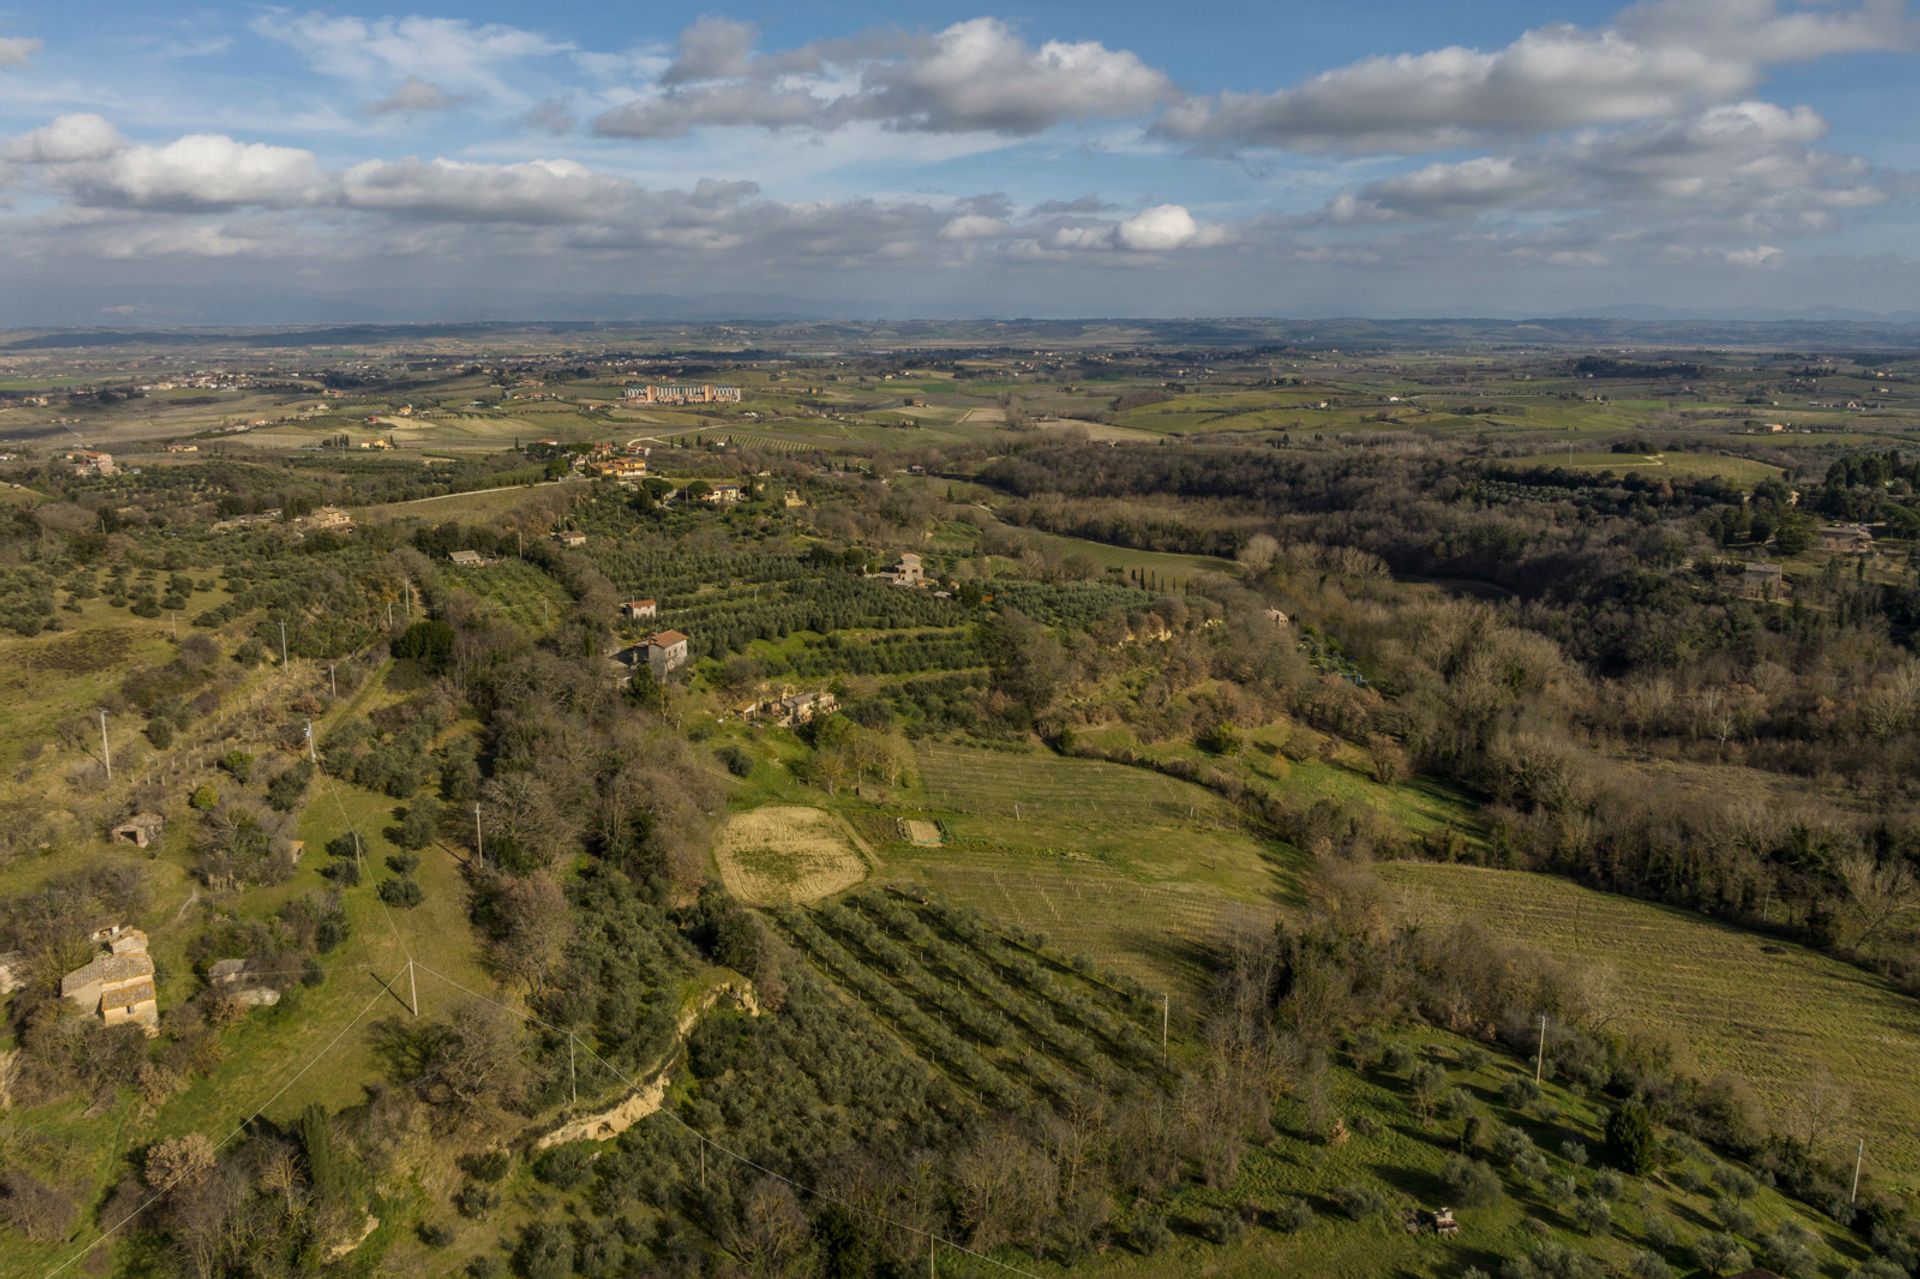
(1540, 1061)
(389, 614)
(413, 993)
(479, 843)
(106, 751)
(332, 683)
(313, 756)
(283, 646)
(573, 1080)
(1166, 1013)
(933, 1242)
(1859, 1157)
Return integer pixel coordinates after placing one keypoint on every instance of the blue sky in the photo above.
(1078, 158)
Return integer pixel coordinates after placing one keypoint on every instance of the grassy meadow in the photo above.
(1780, 1016)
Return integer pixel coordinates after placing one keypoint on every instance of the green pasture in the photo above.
(1774, 1014)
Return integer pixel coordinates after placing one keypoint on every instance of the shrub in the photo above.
(1149, 1232)
(487, 1165)
(1630, 1140)
(735, 760)
(1510, 1145)
(1293, 1215)
(475, 1201)
(1520, 1093)
(1608, 1184)
(1359, 1200)
(422, 822)
(403, 863)
(545, 1251)
(344, 873)
(564, 1167)
(1649, 1265)
(1735, 1217)
(1595, 1216)
(404, 893)
(435, 1234)
(160, 733)
(1574, 1152)
(204, 798)
(289, 785)
(1471, 1182)
(238, 764)
(1396, 1059)
(1719, 1254)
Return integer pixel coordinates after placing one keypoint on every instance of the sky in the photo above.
(1222, 157)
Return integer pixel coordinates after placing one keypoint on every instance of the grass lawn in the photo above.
(1772, 1013)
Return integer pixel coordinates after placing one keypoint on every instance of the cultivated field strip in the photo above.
(1772, 1013)
(1023, 1031)
(992, 783)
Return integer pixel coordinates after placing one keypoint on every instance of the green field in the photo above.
(1743, 471)
(1136, 870)
(1770, 1013)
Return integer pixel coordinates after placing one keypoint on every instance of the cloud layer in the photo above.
(974, 76)
(1016, 152)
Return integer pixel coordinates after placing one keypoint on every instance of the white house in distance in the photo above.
(905, 571)
(467, 559)
(666, 651)
(663, 651)
(634, 610)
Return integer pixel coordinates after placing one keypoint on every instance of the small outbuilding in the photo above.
(142, 830)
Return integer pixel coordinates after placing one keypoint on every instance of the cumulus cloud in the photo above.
(68, 140)
(1731, 160)
(176, 199)
(199, 171)
(712, 48)
(413, 96)
(1659, 59)
(15, 50)
(974, 76)
(1164, 228)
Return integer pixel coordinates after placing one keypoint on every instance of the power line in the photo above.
(161, 1193)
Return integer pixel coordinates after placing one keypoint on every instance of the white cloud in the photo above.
(539, 191)
(413, 96)
(1766, 31)
(16, 50)
(1726, 161)
(462, 56)
(974, 226)
(134, 197)
(974, 76)
(1659, 59)
(198, 171)
(1163, 228)
(1759, 257)
(980, 76)
(69, 139)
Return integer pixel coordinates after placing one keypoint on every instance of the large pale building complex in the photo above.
(705, 393)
